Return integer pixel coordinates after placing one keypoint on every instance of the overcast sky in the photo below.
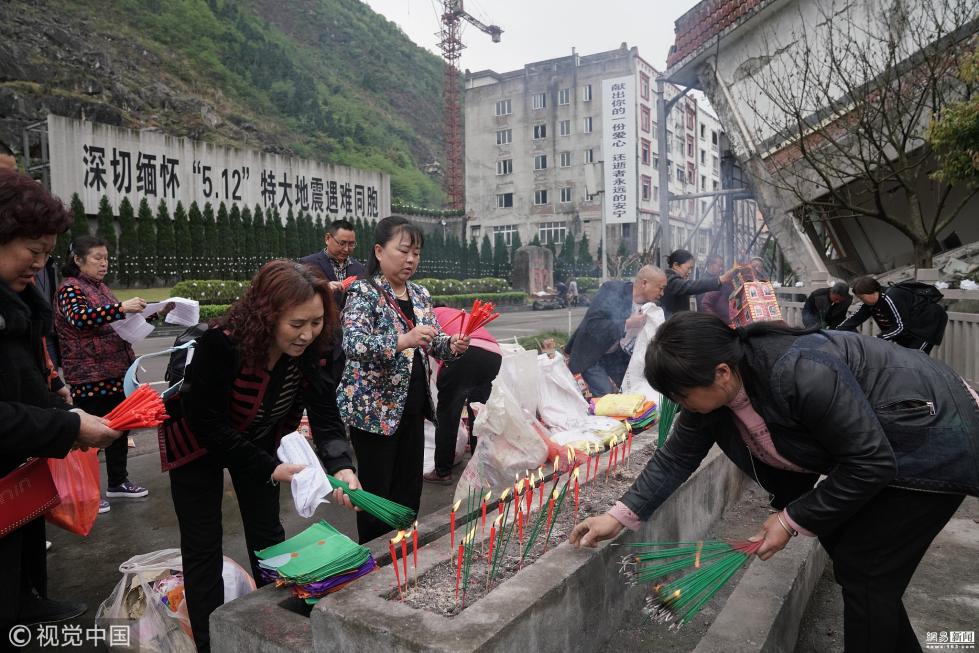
(544, 29)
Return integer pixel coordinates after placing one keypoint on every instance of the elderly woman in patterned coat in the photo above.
(383, 396)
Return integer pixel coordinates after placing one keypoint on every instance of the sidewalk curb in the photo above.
(764, 612)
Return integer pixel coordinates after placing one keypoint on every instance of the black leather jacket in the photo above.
(857, 409)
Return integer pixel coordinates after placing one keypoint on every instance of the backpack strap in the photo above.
(131, 382)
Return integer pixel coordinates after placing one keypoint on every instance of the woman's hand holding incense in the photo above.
(92, 431)
(350, 478)
(459, 344)
(284, 472)
(134, 305)
(595, 529)
(773, 536)
(421, 336)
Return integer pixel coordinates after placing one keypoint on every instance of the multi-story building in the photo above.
(532, 139)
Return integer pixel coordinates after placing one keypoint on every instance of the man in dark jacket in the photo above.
(601, 346)
(715, 302)
(336, 262)
(826, 307)
(894, 312)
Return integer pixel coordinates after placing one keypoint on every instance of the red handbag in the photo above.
(25, 494)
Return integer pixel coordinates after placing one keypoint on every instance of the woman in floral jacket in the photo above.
(388, 325)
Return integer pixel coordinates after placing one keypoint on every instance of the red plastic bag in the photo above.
(77, 478)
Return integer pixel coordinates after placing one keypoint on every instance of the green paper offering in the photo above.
(393, 514)
(319, 552)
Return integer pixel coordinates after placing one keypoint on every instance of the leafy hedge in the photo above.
(211, 311)
(210, 291)
(464, 286)
(588, 284)
(498, 298)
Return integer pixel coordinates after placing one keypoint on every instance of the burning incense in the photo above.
(394, 563)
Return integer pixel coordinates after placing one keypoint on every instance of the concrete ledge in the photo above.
(260, 622)
(763, 613)
(569, 599)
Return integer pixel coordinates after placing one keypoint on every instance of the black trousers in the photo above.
(197, 489)
(23, 570)
(875, 554)
(390, 466)
(117, 453)
(469, 378)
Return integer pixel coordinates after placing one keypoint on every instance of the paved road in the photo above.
(87, 569)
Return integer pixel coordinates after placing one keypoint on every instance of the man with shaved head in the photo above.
(601, 346)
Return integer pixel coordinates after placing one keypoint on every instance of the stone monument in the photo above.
(533, 269)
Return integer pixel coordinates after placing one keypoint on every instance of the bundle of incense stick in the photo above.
(713, 563)
(481, 315)
(141, 410)
(667, 413)
(393, 514)
(346, 283)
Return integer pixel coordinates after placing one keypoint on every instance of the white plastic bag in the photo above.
(159, 629)
(634, 381)
(561, 401)
(520, 374)
(310, 487)
(462, 439)
(508, 444)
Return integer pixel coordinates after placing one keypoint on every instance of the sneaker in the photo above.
(37, 610)
(47, 545)
(126, 491)
(433, 477)
(104, 506)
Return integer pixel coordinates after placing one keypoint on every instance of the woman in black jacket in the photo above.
(34, 422)
(252, 374)
(679, 287)
(895, 433)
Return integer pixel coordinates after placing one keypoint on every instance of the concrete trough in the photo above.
(569, 599)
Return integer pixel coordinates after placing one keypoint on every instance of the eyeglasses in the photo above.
(346, 244)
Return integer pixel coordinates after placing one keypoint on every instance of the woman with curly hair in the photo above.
(252, 374)
(388, 326)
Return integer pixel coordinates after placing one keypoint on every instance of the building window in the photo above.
(717, 167)
(690, 152)
(655, 193)
(692, 175)
(646, 149)
(504, 137)
(703, 157)
(565, 194)
(626, 230)
(716, 185)
(669, 170)
(540, 100)
(504, 201)
(552, 232)
(691, 119)
(565, 159)
(504, 167)
(565, 126)
(679, 144)
(647, 187)
(669, 141)
(713, 137)
(507, 231)
(503, 108)
(540, 197)
(564, 96)
(540, 162)
(474, 231)
(703, 182)
(681, 175)
(656, 162)
(540, 131)
(644, 85)
(589, 156)
(703, 131)
(703, 207)
(644, 117)
(586, 93)
(587, 128)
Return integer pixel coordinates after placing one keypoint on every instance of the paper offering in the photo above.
(186, 312)
(133, 329)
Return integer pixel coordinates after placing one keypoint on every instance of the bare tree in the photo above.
(843, 107)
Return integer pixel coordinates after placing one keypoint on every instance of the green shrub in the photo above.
(464, 286)
(466, 301)
(211, 311)
(212, 291)
(587, 284)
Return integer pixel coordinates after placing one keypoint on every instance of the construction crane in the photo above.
(453, 13)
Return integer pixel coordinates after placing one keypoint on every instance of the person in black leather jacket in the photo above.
(679, 287)
(895, 433)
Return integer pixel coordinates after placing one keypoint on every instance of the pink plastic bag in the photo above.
(77, 478)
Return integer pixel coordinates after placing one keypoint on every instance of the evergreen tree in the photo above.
(319, 231)
(536, 241)
(225, 243)
(105, 229)
(80, 227)
(486, 257)
(363, 244)
(128, 243)
(247, 256)
(501, 258)
(146, 232)
(181, 238)
(472, 259)
(198, 246)
(309, 231)
(292, 246)
(515, 243)
(237, 242)
(585, 261)
(210, 266)
(261, 238)
(166, 244)
(273, 227)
